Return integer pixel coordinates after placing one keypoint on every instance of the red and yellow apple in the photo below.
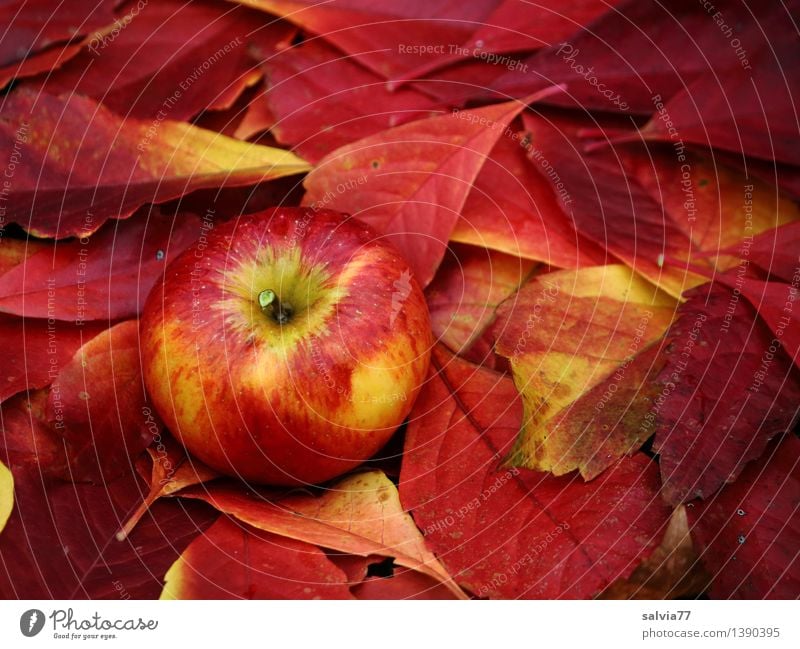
(286, 347)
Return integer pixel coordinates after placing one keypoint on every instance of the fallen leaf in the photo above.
(466, 290)
(78, 164)
(46, 60)
(97, 405)
(6, 494)
(725, 390)
(36, 349)
(577, 342)
(672, 571)
(171, 471)
(315, 101)
(775, 251)
(28, 441)
(748, 534)
(33, 25)
(170, 59)
(508, 532)
(389, 40)
(762, 120)
(669, 207)
(106, 276)
(59, 542)
(231, 560)
(410, 182)
(360, 515)
(639, 53)
(513, 208)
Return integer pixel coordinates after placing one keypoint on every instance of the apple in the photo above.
(285, 347)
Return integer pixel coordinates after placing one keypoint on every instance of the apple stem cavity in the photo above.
(271, 305)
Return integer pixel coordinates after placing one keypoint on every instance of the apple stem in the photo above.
(272, 306)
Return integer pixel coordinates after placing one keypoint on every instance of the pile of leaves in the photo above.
(600, 199)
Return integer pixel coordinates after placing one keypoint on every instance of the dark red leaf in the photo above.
(60, 541)
(655, 208)
(34, 350)
(748, 534)
(727, 388)
(171, 59)
(390, 40)
(318, 100)
(103, 277)
(32, 25)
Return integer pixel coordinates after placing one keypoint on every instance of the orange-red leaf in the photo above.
(97, 405)
(410, 182)
(76, 164)
(231, 560)
(106, 276)
(360, 515)
(512, 208)
(469, 285)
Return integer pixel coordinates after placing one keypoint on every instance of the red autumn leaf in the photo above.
(44, 61)
(518, 26)
(748, 534)
(35, 349)
(33, 26)
(28, 442)
(581, 345)
(59, 542)
(640, 53)
(231, 560)
(389, 39)
(98, 406)
(777, 251)
(726, 389)
(77, 164)
(672, 571)
(466, 290)
(171, 59)
(316, 98)
(168, 469)
(410, 182)
(512, 208)
(775, 302)
(754, 92)
(507, 532)
(666, 205)
(361, 515)
(14, 251)
(106, 276)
